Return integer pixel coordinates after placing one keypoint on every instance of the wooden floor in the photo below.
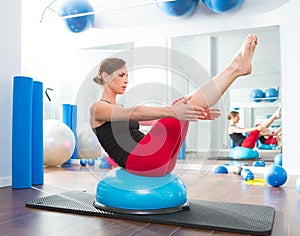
(201, 182)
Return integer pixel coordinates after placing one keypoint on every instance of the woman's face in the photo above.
(118, 80)
(236, 119)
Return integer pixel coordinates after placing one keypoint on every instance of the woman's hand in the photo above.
(211, 114)
(184, 111)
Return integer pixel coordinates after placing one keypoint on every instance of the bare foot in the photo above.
(277, 113)
(241, 63)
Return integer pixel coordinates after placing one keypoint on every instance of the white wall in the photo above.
(10, 65)
(65, 70)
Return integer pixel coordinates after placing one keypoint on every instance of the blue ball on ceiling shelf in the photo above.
(80, 23)
(178, 8)
(220, 6)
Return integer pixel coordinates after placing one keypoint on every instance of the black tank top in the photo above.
(119, 138)
(237, 138)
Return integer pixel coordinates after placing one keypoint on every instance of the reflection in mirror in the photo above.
(213, 51)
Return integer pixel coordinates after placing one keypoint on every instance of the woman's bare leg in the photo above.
(207, 95)
(276, 115)
(277, 131)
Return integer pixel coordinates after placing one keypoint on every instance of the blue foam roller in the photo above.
(121, 189)
(182, 151)
(67, 114)
(243, 153)
(74, 129)
(67, 119)
(22, 132)
(37, 134)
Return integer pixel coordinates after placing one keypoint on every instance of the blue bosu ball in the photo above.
(220, 6)
(178, 8)
(267, 146)
(243, 153)
(123, 192)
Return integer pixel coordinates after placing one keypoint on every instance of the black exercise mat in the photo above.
(221, 216)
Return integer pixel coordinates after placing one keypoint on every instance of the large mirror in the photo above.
(213, 51)
(175, 57)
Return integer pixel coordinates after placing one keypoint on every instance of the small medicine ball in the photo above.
(272, 94)
(178, 8)
(79, 23)
(257, 94)
(220, 6)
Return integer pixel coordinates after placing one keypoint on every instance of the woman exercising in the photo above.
(155, 153)
(255, 133)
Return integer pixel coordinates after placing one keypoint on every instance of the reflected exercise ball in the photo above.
(243, 153)
(271, 94)
(179, 7)
(79, 23)
(256, 95)
(219, 6)
(278, 159)
(59, 142)
(88, 145)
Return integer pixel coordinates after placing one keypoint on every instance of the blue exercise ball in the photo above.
(179, 7)
(121, 191)
(72, 7)
(257, 94)
(243, 153)
(220, 6)
(91, 161)
(298, 185)
(272, 94)
(221, 170)
(83, 162)
(278, 159)
(259, 164)
(275, 175)
(247, 175)
(244, 170)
